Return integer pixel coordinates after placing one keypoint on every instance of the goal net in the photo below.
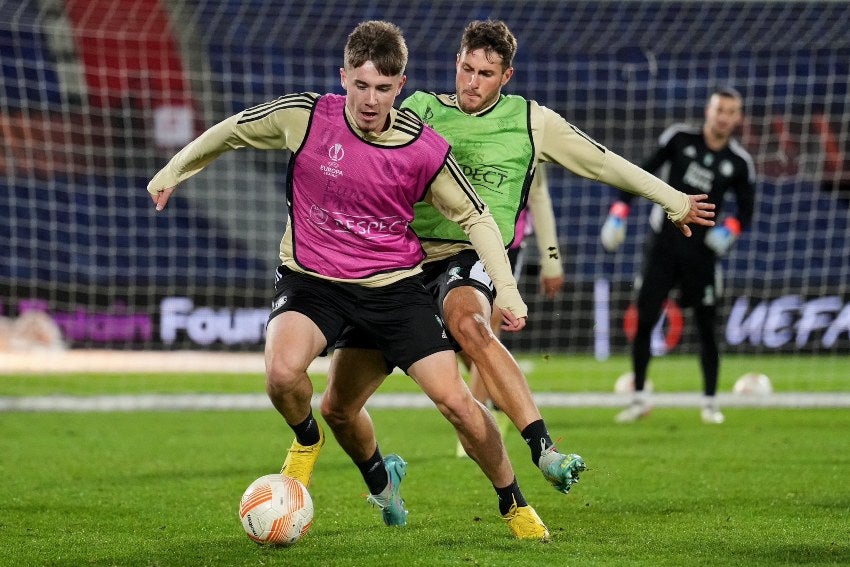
(96, 95)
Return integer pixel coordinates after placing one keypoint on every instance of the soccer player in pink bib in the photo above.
(350, 259)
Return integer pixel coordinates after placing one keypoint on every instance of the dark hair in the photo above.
(728, 92)
(493, 36)
(380, 42)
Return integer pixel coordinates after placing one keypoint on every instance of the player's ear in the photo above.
(506, 76)
(708, 106)
(401, 84)
(342, 77)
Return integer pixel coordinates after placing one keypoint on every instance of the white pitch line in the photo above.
(201, 402)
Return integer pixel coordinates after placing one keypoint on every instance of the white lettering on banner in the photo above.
(204, 325)
(778, 322)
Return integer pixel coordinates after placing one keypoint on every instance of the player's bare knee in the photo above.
(334, 415)
(459, 410)
(281, 375)
(473, 332)
(335, 419)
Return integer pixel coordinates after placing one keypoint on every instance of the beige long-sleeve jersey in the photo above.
(283, 124)
(545, 231)
(557, 141)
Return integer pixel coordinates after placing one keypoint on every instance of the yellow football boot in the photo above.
(300, 459)
(525, 523)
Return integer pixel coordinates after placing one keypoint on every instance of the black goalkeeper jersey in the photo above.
(685, 161)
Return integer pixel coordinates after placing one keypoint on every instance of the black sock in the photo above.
(508, 495)
(374, 473)
(537, 438)
(307, 432)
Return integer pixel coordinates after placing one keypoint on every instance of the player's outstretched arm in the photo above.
(225, 136)
(455, 198)
(700, 213)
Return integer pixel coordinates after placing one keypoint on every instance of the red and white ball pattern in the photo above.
(276, 510)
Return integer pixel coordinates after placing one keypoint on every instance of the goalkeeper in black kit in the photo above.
(696, 160)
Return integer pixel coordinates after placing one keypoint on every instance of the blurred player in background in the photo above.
(349, 257)
(498, 140)
(697, 160)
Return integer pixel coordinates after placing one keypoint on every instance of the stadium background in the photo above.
(96, 95)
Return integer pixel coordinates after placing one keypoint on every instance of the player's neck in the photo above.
(713, 141)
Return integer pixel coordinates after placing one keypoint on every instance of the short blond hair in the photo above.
(380, 42)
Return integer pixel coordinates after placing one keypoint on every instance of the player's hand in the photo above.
(700, 213)
(551, 287)
(513, 308)
(613, 232)
(160, 198)
(511, 322)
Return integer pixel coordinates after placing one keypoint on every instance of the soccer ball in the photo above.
(276, 510)
(753, 384)
(625, 384)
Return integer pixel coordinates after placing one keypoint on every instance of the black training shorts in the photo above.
(462, 269)
(400, 319)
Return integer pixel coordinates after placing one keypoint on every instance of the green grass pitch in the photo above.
(161, 488)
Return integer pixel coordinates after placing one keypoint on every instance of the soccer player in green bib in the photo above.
(498, 140)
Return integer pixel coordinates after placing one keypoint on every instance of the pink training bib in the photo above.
(352, 201)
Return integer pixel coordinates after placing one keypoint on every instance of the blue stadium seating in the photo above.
(79, 232)
(256, 53)
(28, 75)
